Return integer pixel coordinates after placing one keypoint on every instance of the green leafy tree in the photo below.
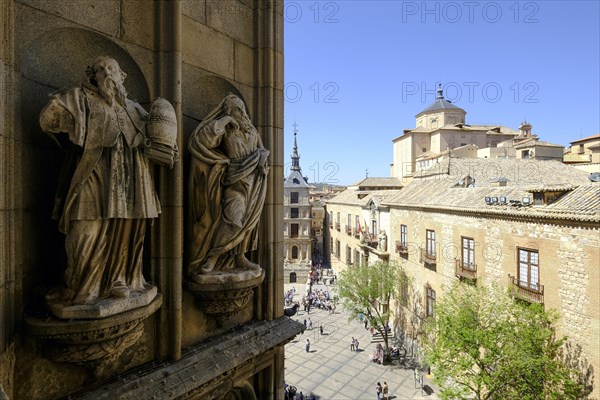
(482, 344)
(367, 290)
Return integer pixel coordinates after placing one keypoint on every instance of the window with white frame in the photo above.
(529, 269)
(430, 306)
(403, 235)
(468, 253)
(430, 243)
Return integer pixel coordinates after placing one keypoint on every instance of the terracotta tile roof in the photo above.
(351, 197)
(584, 200)
(596, 136)
(379, 182)
(436, 189)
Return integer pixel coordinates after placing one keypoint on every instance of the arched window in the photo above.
(294, 252)
(293, 277)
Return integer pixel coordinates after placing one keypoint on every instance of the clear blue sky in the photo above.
(357, 73)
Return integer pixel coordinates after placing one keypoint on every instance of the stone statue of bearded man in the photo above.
(109, 193)
(227, 191)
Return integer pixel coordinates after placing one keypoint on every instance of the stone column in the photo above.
(167, 238)
(10, 200)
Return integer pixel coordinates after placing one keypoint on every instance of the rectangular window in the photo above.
(294, 230)
(529, 269)
(403, 235)
(294, 197)
(294, 212)
(468, 253)
(337, 249)
(348, 255)
(356, 222)
(430, 301)
(430, 244)
(374, 231)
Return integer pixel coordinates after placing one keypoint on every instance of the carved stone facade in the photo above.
(191, 54)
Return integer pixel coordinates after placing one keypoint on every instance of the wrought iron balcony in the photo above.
(372, 240)
(464, 270)
(525, 291)
(428, 258)
(401, 248)
(348, 230)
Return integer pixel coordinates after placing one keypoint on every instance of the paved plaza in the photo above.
(332, 371)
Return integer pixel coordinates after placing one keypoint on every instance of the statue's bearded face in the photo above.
(110, 81)
(238, 111)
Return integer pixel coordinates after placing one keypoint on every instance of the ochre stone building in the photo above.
(531, 226)
(193, 54)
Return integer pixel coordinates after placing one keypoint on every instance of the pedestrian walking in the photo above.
(356, 345)
(309, 324)
(321, 329)
(378, 390)
(307, 345)
(305, 325)
(385, 391)
(352, 345)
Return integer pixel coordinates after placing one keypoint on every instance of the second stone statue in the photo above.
(228, 185)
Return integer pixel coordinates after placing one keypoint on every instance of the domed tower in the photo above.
(441, 112)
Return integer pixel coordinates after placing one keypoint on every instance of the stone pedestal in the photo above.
(105, 307)
(223, 295)
(93, 343)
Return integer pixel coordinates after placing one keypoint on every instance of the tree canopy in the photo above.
(367, 290)
(483, 344)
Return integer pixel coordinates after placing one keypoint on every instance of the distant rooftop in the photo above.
(378, 183)
(597, 136)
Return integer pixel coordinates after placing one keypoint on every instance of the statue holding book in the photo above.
(106, 196)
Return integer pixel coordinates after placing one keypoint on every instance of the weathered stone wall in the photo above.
(568, 257)
(190, 52)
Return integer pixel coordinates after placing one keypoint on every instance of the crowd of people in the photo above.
(291, 393)
(320, 299)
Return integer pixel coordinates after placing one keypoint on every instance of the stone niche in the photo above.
(91, 337)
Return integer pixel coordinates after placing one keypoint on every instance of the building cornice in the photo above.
(510, 215)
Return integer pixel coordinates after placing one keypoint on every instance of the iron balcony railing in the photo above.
(466, 270)
(401, 248)
(533, 293)
(428, 258)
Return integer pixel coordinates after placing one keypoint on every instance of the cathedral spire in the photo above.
(295, 156)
